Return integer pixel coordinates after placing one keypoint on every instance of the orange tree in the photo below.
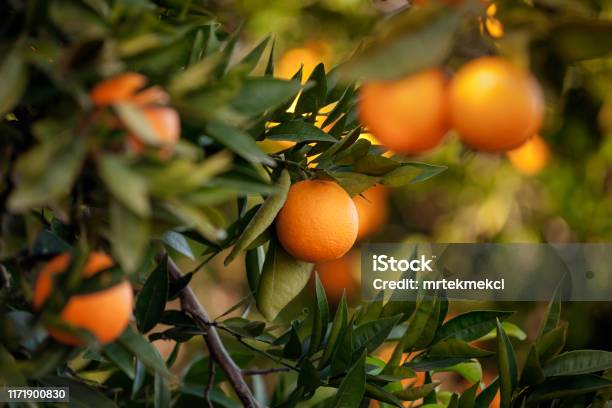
(126, 129)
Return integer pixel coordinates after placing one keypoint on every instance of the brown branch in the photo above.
(211, 381)
(191, 305)
(265, 371)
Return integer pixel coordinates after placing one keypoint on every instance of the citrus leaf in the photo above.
(468, 398)
(372, 334)
(46, 173)
(415, 393)
(321, 317)
(151, 300)
(373, 165)
(338, 327)
(258, 95)
(470, 370)
(239, 142)
(178, 242)
(264, 217)
(565, 387)
(129, 235)
(551, 343)
(13, 72)
(471, 325)
(506, 360)
(116, 353)
(282, 278)
(133, 118)
(553, 313)
(486, 396)
(410, 173)
(81, 394)
(578, 362)
(457, 348)
(352, 388)
(298, 131)
(144, 351)
(532, 371)
(126, 185)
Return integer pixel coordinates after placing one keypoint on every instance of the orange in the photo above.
(495, 105)
(318, 222)
(166, 125)
(105, 313)
(308, 57)
(339, 275)
(372, 210)
(407, 115)
(117, 89)
(531, 157)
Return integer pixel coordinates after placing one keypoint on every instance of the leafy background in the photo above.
(68, 182)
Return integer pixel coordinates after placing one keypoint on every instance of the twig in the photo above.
(191, 305)
(211, 381)
(265, 371)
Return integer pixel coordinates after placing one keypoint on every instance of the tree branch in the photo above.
(265, 371)
(191, 305)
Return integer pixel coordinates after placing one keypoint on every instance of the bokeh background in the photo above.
(558, 189)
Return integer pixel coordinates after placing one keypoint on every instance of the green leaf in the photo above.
(193, 216)
(355, 183)
(321, 317)
(179, 243)
(151, 300)
(415, 393)
(411, 173)
(46, 173)
(506, 360)
(308, 378)
(553, 313)
(551, 343)
(565, 387)
(532, 371)
(260, 94)
(116, 353)
(343, 357)
(313, 98)
(161, 391)
(264, 217)
(429, 363)
(468, 398)
(375, 392)
(239, 142)
(129, 236)
(470, 370)
(14, 74)
(374, 165)
(282, 278)
(133, 118)
(244, 327)
(471, 325)
(47, 243)
(81, 395)
(352, 388)
(127, 186)
(253, 59)
(411, 42)
(511, 329)
(486, 396)
(372, 334)
(339, 325)
(457, 348)
(416, 325)
(144, 351)
(298, 131)
(578, 362)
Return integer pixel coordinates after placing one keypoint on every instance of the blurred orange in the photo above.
(531, 157)
(117, 89)
(339, 275)
(372, 210)
(104, 313)
(495, 105)
(308, 57)
(408, 115)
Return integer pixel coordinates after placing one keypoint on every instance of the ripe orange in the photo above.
(308, 57)
(318, 221)
(531, 157)
(105, 313)
(372, 210)
(339, 275)
(494, 105)
(407, 115)
(117, 89)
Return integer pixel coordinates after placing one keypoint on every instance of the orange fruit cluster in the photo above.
(492, 104)
(105, 314)
(152, 101)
